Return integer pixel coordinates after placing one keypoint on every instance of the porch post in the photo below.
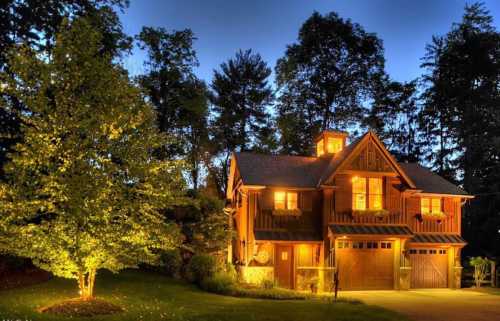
(404, 267)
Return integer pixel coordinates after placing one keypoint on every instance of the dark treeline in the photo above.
(331, 77)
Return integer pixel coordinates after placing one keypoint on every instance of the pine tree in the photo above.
(394, 115)
(84, 190)
(241, 96)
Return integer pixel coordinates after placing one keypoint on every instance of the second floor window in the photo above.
(430, 205)
(285, 200)
(334, 145)
(367, 193)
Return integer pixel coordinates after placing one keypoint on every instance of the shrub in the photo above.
(481, 266)
(171, 262)
(270, 294)
(267, 284)
(200, 267)
(220, 283)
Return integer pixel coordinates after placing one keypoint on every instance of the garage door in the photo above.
(365, 265)
(429, 268)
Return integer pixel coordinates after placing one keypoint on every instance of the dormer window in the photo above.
(330, 143)
(334, 145)
(320, 148)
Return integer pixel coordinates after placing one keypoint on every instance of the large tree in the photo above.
(241, 96)
(462, 99)
(324, 79)
(180, 99)
(35, 22)
(394, 115)
(84, 189)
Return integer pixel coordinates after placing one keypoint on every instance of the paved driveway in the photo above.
(435, 304)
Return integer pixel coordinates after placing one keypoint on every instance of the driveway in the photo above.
(435, 304)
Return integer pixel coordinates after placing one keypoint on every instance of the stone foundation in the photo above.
(256, 274)
(457, 277)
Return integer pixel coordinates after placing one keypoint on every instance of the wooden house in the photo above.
(351, 208)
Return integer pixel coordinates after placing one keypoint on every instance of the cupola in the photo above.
(330, 142)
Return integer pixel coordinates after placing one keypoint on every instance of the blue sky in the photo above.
(223, 27)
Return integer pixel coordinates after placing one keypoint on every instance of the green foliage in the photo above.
(205, 225)
(240, 97)
(394, 115)
(481, 268)
(36, 23)
(270, 294)
(180, 99)
(267, 284)
(201, 267)
(370, 212)
(84, 190)
(324, 79)
(220, 283)
(171, 262)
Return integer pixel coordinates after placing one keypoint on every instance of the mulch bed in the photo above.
(82, 308)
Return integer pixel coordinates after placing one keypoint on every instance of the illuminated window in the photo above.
(320, 148)
(430, 205)
(375, 190)
(334, 145)
(279, 200)
(308, 255)
(291, 201)
(425, 205)
(359, 193)
(285, 200)
(436, 205)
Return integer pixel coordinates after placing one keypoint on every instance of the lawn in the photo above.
(149, 296)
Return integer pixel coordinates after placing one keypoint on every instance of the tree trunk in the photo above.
(86, 283)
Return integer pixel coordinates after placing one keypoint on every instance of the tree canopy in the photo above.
(324, 79)
(84, 188)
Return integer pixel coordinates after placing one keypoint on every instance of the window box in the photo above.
(287, 212)
(432, 216)
(369, 212)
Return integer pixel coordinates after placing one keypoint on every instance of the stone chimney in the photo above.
(330, 142)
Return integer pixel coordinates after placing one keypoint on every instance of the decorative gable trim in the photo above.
(364, 143)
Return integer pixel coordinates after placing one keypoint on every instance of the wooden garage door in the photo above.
(429, 268)
(365, 265)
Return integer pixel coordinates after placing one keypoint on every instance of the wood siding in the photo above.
(261, 210)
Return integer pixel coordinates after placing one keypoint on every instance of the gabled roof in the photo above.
(313, 172)
(345, 155)
(280, 170)
(430, 182)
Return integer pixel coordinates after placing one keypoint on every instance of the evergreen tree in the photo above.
(394, 115)
(324, 79)
(240, 98)
(180, 99)
(84, 190)
(462, 98)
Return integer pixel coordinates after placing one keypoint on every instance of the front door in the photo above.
(284, 266)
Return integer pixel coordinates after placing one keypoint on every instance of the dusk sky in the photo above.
(223, 27)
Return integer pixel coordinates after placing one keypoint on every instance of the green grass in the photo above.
(152, 297)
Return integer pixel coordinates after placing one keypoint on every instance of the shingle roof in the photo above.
(399, 230)
(287, 236)
(430, 182)
(438, 238)
(280, 170)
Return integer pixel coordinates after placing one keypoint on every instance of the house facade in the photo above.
(350, 208)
